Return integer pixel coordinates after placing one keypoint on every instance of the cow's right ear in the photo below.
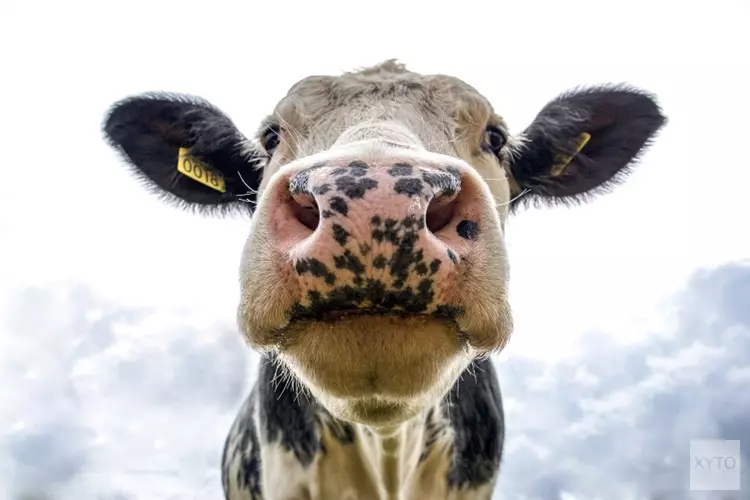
(186, 150)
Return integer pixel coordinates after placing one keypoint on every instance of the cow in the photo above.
(374, 279)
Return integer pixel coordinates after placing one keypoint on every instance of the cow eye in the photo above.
(494, 140)
(270, 138)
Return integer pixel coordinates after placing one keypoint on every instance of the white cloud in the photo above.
(96, 396)
(630, 432)
(739, 374)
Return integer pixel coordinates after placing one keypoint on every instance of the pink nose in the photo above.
(374, 237)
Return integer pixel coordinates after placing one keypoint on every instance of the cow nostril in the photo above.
(305, 209)
(440, 212)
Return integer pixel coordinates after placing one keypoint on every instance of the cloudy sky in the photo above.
(119, 379)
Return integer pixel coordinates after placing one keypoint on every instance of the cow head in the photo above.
(375, 267)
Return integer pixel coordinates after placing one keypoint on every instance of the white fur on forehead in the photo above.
(439, 109)
(390, 131)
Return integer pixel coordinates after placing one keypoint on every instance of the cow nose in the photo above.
(373, 237)
(423, 200)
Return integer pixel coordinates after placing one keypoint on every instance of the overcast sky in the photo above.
(119, 379)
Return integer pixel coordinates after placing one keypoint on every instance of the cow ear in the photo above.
(583, 142)
(187, 151)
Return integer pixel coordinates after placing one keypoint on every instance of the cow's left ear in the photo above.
(583, 141)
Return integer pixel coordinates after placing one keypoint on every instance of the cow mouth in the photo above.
(337, 314)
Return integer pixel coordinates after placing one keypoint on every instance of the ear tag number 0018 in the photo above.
(199, 171)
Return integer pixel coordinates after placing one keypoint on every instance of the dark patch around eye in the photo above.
(270, 139)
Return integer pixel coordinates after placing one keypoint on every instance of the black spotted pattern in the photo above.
(338, 204)
(446, 183)
(471, 416)
(400, 169)
(452, 256)
(352, 263)
(247, 451)
(468, 229)
(475, 410)
(295, 422)
(441, 183)
(316, 268)
(342, 432)
(403, 235)
(434, 427)
(407, 259)
(350, 182)
(299, 184)
(340, 234)
(409, 186)
(355, 188)
(395, 291)
(454, 172)
(321, 190)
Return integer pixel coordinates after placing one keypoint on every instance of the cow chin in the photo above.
(376, 370)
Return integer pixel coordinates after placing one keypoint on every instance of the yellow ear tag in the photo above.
(583, 139)
(199, 171)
